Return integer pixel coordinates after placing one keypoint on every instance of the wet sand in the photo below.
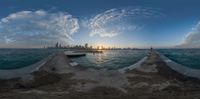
(56, 79)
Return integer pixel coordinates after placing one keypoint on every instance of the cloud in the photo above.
(115, 21)
(37, 28)
(192, 40)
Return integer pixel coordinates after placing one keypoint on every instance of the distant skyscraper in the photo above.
(86, 45)
(91, 47)
(102, 47)
(56, 46)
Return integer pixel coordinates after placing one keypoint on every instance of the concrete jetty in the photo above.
(56, 79)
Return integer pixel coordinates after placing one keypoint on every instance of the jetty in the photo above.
(57, 79)
(74, 54)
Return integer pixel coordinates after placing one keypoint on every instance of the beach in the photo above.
(151, 78)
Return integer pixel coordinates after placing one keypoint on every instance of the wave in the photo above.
(24, 72)
(181, 68)
(133, 66)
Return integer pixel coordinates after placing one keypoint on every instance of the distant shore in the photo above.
(56, 79)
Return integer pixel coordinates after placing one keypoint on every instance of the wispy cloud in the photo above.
(36, 28)
(114, 21)
(192, 40)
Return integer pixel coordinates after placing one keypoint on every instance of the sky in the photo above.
(113, 23)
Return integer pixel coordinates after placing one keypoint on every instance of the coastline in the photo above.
(56, 79)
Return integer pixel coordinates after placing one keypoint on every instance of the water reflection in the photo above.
(112, 59)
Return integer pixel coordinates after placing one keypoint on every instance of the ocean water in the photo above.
(18, 58)
(186, 57)
(111, 59)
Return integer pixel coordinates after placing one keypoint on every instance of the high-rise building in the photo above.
(86, 45)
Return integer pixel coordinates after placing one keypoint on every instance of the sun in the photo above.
(100, 47)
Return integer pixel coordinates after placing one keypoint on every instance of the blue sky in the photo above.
(120, 23)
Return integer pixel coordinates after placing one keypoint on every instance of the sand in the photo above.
(56, 79)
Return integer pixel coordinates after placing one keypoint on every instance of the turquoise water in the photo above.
(186, 57)
(18, 58)
(111, 59)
